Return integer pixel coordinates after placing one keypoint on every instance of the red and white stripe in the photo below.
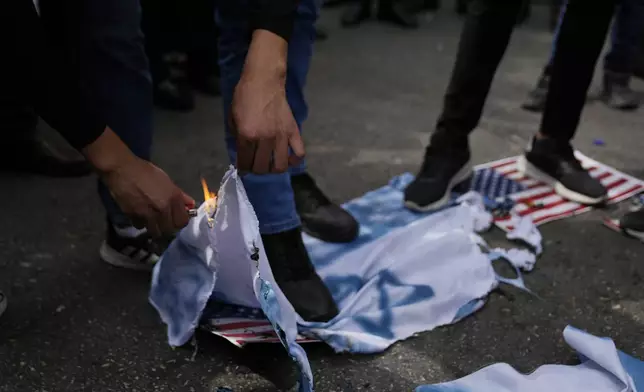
(542, 204)
(240, 331)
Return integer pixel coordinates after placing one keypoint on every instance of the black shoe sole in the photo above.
(338, 237)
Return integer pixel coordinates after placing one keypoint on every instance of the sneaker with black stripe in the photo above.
(130, 248)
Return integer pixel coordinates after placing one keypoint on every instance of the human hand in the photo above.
(148, 196)
(143, 191)
(261, 117)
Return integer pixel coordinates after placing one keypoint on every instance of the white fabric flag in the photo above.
(603, 369)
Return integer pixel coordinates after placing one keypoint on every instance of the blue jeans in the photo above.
(625, 36)
(115, 71)
(270, 194)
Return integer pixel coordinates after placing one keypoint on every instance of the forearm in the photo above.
(108, 153)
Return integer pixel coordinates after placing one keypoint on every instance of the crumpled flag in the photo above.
(406, 273)
(603, 369)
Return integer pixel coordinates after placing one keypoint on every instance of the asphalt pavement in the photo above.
(77, 324)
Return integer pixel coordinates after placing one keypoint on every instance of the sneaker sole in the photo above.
(112, 257)
(463, 174)
(635, 234)
(530, 170)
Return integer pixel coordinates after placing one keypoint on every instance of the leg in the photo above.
(536, 100)
(551, 157)
(271, 195)
(620, 61)
(280, 200)
(203, 70)
(115, 70)
(580, 42)
(484, 38)
(163, 34)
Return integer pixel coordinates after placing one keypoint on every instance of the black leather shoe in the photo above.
(320, 217)
(633, 224)
(296, 276)
(36, 156)
(616, 92)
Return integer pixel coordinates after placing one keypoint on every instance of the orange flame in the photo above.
(207, 195)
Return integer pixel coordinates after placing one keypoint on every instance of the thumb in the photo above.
(187, 200)
(297, 145)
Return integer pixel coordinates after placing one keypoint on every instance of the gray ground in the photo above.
(76, 324)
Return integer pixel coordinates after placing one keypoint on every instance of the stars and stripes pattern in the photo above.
(540, 202)
(241, 325)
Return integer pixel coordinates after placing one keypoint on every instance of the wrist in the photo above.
(108, 154)
(266, 60)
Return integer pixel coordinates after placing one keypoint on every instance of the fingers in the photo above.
(188, 201)
(153, 228)
(180, 217)
(297, 145)
(245, 154)
(280, 156)
(263, 156)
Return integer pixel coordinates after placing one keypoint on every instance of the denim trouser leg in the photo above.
(115, 70)
(625, 37)
(271, 194)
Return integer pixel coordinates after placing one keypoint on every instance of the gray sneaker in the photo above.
(3, 303)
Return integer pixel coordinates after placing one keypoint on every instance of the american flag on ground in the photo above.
(240, 325)
(501, 179)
